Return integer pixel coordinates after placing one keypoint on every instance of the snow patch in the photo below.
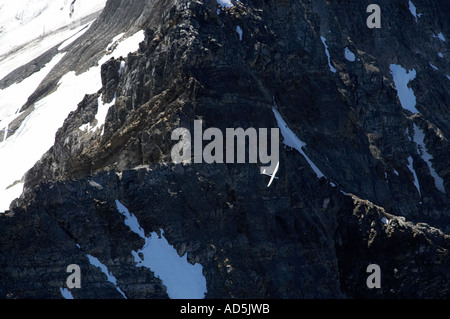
(66, 293)
(130, 220)
(100, 117)
(124, 46)
(324, 41)
(225, 3)
(413, 171)
(413, 10)
(440, 36)
(405, 94)
(349, 55)
(419, 137)
(291, 140)
(326, 202)
(182, 279)
(122, 66)
(239, 31)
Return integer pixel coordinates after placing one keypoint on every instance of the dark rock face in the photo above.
(303, 237)
(110, 79)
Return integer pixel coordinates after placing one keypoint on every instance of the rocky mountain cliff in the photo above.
(371, 106)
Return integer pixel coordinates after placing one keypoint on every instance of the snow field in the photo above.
(37, 132)
(25, 20)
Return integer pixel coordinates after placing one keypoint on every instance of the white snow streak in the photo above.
(419, 138)
(239, 31)
(78, 33)
(122, 66)
(100, 117)
(433, 66)
(413, 10)
(291, 140)
(130, 220)
(95, 262)
(324, 41)
(413, 171)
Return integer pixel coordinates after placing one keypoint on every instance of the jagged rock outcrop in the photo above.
(303, 237)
